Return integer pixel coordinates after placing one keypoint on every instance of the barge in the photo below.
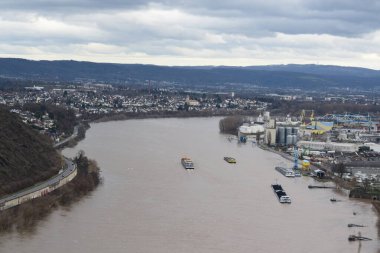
(187, 163)
(229, 159)
(285, 171)
(281, 194)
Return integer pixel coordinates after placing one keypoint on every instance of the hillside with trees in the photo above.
(26, 157)
(65, 119)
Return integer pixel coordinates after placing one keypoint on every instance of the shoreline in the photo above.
(375, 204)
(25, 216)
(84, 124)
(173, 114)
(52, 207)
(335, 180)
(374, 212)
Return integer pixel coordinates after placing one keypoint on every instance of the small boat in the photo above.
(334, 200)
(187, 163)
(230, 159)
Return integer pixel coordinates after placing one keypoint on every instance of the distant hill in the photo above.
(324, 70)
(26, 157)
(292, 75)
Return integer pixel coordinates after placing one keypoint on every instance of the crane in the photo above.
(295, 157)
(303, 115)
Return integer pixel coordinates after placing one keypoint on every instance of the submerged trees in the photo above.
(230, 124)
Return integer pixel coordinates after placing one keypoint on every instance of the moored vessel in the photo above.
(285, 171)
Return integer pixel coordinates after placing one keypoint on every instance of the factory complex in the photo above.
(346, 145)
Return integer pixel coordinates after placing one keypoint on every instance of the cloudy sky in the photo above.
(194, 32)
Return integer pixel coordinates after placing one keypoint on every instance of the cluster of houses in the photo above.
(106, 99)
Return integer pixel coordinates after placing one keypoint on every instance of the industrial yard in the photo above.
(344, 147)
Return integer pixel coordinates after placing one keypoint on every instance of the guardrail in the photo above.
(43, 188)
(40, 189)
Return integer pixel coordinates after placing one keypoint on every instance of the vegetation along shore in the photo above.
(25, 216)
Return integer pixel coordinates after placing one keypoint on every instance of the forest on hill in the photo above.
(26, 157)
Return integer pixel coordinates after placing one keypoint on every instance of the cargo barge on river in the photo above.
(229, 159)
(285, 171)
(281, 194)
(187, 163)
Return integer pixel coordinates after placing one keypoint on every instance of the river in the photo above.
(149, 203)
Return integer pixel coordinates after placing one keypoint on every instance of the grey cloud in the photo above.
(220, 29)
(340, 17)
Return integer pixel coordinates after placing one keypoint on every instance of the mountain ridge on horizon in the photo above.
(282, 75)
(277, 66)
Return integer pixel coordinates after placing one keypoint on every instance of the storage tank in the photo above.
(245, 129)
(289, 139)
(281, 135)
(294, 141)
(289, 131)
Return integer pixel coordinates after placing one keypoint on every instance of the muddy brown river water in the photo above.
(149, 203)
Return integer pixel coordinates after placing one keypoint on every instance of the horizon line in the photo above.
(199, 65)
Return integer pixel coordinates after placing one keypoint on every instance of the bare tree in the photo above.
(339, 168)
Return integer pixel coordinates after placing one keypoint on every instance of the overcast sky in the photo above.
(197, 32)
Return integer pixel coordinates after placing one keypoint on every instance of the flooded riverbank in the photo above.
(149, 203)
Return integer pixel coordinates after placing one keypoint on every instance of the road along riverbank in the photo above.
(23, 210)
(67, 174)
(77, 177)
(151, 204)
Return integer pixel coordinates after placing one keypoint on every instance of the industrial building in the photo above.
(329, 146)
(286, 135)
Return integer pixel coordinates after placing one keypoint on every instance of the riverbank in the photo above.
(142, 194)
(27, 215)
(339, 183)
(85, 123)
(81, 135)
(168, 114)
(376, 205)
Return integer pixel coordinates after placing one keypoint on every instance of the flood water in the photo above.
(149, 203)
